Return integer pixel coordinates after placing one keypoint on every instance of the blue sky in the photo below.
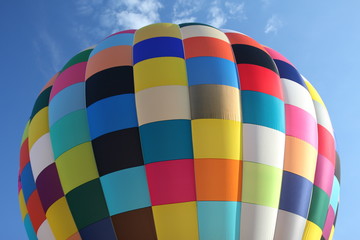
(321, 38)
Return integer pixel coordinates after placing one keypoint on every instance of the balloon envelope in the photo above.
(179, 132)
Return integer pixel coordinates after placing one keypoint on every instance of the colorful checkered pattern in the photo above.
(179, 132)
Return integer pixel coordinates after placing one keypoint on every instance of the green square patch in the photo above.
(87, 203)
(261, 184)
(318, 207)
(76, 166)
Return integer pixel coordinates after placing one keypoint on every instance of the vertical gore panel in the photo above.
(40, 155)
(299, 163)
(325, 168)
(216, 130)
(163, 110)
(262, 107)
(114, 130)
(73, 154)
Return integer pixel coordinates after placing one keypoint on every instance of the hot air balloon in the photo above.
(179, 132)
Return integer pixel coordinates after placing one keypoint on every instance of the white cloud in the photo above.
(184, 10)
(273, 24)
(216, 16)
(134, 19)
(100, 18)
(130, 14)
(104, 17)
(116, 15)
(235, 9)
(220, 12)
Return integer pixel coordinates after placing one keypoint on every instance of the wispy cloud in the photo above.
(265, 3)
(220, 12)
(115, 15)
(184, 10)
(46, 45)
(103, 17)
(216, 16)
(87, 7)
(236, 9)
(217, 13)
(273, 25)
(131, 13)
